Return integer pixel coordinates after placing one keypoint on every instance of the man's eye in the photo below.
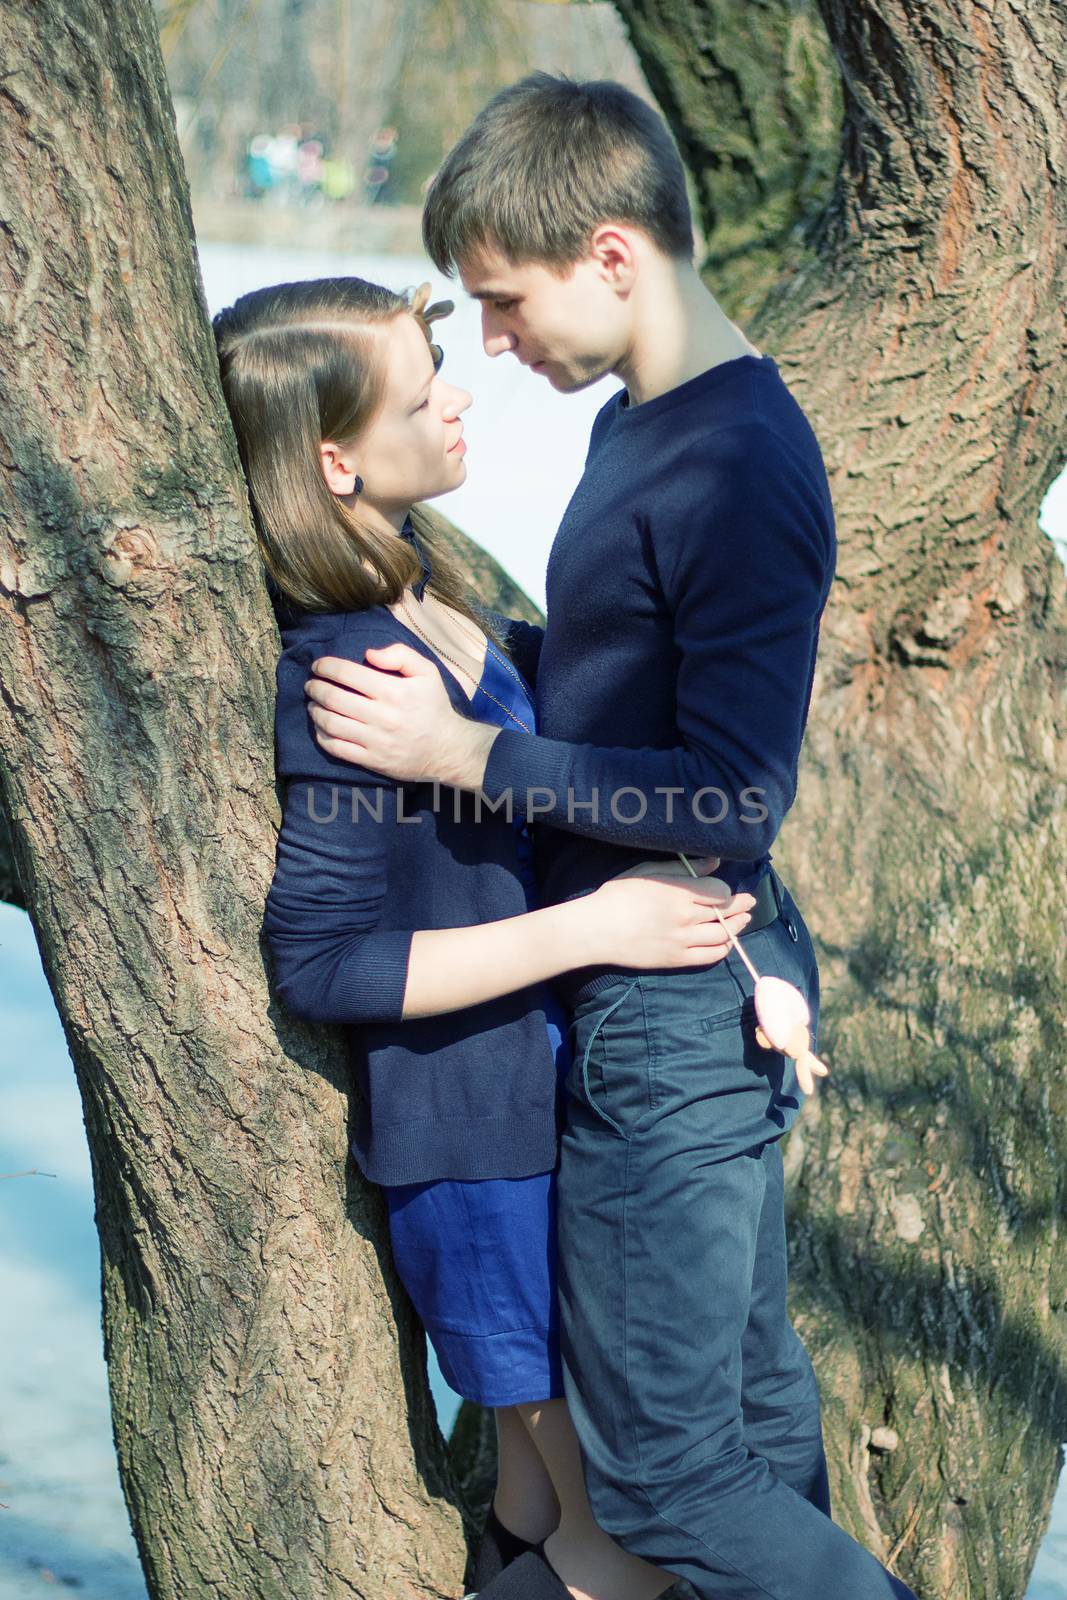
(505, 305)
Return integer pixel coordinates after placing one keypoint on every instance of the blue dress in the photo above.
(478, 1258)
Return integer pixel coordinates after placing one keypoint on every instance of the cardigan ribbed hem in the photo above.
(370, 988)
(573, 988)
(500, 1146)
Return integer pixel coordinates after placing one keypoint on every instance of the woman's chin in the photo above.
(457, 475)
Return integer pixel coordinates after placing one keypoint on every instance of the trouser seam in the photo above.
(626, 1302)
(639, 1484)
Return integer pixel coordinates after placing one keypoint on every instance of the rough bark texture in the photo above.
(10, 887)
(920, 322)
(275, 1432)
(753, 94)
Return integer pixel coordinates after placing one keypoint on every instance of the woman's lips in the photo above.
(459, 448)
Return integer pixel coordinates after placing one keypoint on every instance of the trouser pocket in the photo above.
(609, 1075)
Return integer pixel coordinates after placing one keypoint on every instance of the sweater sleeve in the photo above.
(332, 961)
(744, 546)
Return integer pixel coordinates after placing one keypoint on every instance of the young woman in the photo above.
(408, 912)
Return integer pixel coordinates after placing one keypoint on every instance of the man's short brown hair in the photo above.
(544, 163)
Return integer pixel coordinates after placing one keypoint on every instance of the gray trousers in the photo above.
(693, 1397)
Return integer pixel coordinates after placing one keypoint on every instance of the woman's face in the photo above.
(413, 449)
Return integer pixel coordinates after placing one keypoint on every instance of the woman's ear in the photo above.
(339, 469)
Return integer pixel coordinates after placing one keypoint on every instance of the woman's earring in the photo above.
(357, 484)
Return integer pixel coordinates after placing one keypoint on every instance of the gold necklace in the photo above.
(504, 662)
(435, 647)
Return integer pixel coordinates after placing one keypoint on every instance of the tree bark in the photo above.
(10, 887)
(274, 1428)
(919, 320)
(753, 95)
(488, 580)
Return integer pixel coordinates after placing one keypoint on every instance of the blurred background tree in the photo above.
(354, 66)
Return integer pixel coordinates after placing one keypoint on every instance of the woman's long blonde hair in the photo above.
(301, 363)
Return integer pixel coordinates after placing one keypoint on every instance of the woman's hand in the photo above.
(656, 914)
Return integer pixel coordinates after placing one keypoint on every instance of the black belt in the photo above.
(768, 907)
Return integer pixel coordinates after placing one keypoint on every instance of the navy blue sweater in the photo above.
(467, 1094)
(685, 589)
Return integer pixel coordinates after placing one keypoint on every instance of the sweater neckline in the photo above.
(692, 389)
(428, 651)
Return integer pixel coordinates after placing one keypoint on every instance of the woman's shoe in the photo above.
(531, 1577)
(497, 1549)
(680, 1589)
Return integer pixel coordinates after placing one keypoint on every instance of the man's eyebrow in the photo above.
(490, 294)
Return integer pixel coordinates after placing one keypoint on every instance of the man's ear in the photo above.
(612, 248)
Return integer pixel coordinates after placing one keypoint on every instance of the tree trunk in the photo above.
(919, 320)
(10, 887)
(753, 95)
(275, 1432)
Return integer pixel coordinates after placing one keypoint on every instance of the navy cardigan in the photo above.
(362, 863)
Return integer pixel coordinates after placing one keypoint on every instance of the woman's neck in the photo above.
(383, 520)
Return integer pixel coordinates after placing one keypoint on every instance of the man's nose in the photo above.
(496, 341)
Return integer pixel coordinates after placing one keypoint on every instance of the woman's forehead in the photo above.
(409, 362)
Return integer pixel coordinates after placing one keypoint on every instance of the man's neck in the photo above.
(680, 331)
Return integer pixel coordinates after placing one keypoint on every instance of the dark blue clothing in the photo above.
(695, 1402)
(478, 1259)
(362, 863)
(685, 590)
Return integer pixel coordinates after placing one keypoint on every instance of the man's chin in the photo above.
(569, 382)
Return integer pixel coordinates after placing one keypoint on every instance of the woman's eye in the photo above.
(424, 406)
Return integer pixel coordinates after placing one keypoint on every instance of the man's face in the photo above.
(570, 330)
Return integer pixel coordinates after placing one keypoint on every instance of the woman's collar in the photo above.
(408, 532)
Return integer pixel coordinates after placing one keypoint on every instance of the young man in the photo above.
(685, 591)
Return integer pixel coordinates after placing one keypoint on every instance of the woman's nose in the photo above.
(458, 401)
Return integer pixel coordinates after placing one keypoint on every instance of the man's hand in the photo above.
(404, 727)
